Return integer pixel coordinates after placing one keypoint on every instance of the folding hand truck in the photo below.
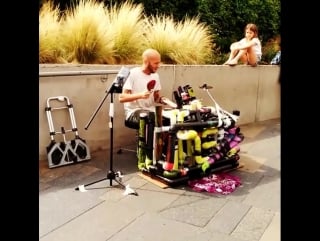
(64, 152)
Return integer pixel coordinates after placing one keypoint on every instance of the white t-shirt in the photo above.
(137, 82)
(256, 48)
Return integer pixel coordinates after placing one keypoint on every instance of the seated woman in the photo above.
(248, 49)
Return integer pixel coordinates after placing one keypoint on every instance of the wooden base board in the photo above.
(160, 183)
(153, 180)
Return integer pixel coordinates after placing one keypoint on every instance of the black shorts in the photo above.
(133, 120)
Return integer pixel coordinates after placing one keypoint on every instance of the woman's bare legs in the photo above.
(242, 54)
(246, 56)
(233, 52)
(251, 57)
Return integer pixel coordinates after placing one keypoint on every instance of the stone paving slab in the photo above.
(228, 217)
(253, 225)
(98, 223)
(273, 231)
(58, 207)
(263, 197)
(151, 226)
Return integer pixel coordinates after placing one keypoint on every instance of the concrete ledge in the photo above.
(255, 91)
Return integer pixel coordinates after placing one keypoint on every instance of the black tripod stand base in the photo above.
(112, 176)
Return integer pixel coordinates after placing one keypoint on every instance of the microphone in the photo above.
(120, 79)
(122, 76)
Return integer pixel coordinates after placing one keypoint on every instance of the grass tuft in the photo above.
(49, 34)
(86, 35)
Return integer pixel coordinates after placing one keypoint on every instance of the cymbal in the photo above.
(169, 102)
(205, 86)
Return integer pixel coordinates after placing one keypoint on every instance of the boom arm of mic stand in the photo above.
(113, 88)
(96, 111)
(116, 87)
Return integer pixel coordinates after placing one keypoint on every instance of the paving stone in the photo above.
(149, 201)
(198, 213)
(266, 194)
(272, 232)
(57, 208)
(228, 217)
(153, 227)
(253, 225)
(99, 223)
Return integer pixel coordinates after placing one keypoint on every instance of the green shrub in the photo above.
(270, 49)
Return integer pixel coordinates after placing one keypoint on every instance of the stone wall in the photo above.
(255, 91)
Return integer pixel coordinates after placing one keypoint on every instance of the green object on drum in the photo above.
(205, 165)
(142, 142)
(148, 162)
(170, 174)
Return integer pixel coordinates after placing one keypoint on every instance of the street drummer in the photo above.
(137, 94)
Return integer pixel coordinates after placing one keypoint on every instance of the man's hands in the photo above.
(146, 94)
(127, 96)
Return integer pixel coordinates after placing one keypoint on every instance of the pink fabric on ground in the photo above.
(216, 183)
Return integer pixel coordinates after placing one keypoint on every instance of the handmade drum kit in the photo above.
(199, 140)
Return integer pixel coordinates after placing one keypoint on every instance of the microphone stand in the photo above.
(111, 175)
